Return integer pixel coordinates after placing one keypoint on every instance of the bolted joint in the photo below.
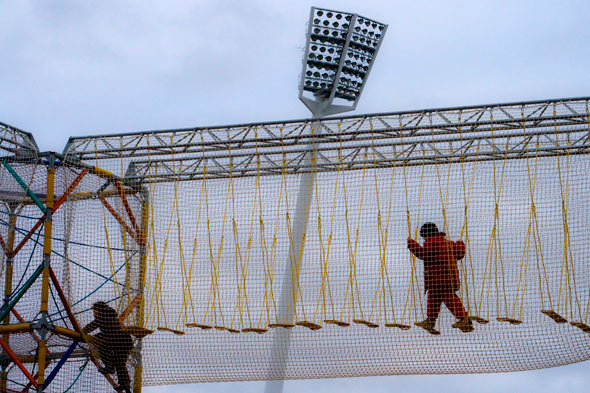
(42, 327)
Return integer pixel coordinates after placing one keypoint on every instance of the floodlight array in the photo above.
(340, 51)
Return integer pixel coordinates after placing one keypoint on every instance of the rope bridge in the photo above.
(207, 217)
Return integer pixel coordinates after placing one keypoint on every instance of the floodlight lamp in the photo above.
(339, 53)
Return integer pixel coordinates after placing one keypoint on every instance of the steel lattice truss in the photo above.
(15, 142)
(443, 136)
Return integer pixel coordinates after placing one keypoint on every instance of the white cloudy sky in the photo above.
(80, 68)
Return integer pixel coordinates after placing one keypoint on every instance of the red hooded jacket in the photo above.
(440, 257)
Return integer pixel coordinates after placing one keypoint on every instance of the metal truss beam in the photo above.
(15, 142)
(446, 136)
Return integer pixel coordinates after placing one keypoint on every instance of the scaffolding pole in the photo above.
(43, 325)
(140, 312)
(8, 287)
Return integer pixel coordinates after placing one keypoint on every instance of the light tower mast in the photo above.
(339, 53)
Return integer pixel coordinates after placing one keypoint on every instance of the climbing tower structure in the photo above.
(50, 262)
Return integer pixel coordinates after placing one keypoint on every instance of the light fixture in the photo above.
(339, 53)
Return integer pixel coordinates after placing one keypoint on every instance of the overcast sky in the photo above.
(74, 68)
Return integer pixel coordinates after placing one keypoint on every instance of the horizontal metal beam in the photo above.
(298, 121)
(410, 138)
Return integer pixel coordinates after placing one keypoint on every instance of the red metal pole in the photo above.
(28, 236)
(4, 246)
(18, 363)
(130, 308)
(127, 207)
(120, 220)
(69, 190)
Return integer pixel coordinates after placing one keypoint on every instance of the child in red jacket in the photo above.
(441, 276)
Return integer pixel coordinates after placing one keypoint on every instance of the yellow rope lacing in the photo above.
(465, 226)
(195, 242)
(325, 253)
(352, 246)
(214, 293)
(411, 293)
(568, 259)
(383, 241)
(494, 252)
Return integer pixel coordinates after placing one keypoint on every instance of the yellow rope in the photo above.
(295, 260)
(111, 262)
(268, 297)
(287, 223)
(195, 243)
(238, 308)
(245, 265)
(152, 309)
(356, 240)
(444, 199)
(494, 252)
(352, 248)
(186, 290)
(160, 272)
(383, 241)
(183, 273)
(567, 254)
(293, 267)
(465, 226)
(410, 295)
(215, 263)
(532, 181)
(214, 294)
(325, 252)
(274, 238)
(298, 261)
(538, 247)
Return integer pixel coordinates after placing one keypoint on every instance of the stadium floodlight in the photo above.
(339, 54)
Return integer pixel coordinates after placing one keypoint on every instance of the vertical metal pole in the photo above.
(282, 337)
(137, 380)
(43, 323)
(8, 286)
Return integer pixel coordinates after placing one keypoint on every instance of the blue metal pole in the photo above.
(59, 364)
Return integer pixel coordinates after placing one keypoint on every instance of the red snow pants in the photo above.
(438, 296)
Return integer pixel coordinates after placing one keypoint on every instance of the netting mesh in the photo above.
(276, 251)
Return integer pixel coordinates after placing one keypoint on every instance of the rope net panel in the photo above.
(281, 251)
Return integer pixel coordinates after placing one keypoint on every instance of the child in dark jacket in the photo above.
(114, 345)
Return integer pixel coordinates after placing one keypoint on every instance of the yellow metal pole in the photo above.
(45, 281)
(8, 285)
(16, 328)
(137, 380)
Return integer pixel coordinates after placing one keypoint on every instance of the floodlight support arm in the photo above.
(324, 108)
